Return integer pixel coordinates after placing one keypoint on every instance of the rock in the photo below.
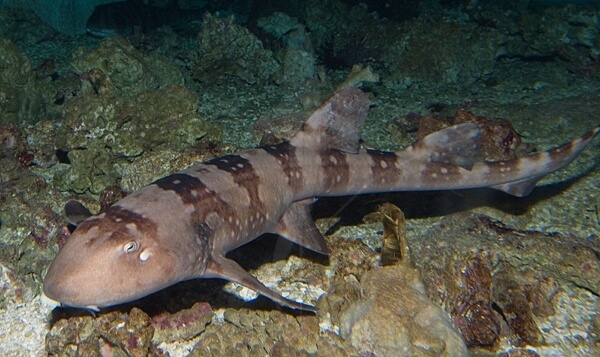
(394, 317)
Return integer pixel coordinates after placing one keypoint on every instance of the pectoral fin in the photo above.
(297, 225)
(221, 267)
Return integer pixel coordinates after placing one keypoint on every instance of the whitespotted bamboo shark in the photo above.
(181, 226)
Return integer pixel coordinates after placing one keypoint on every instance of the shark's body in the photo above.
(181, 226)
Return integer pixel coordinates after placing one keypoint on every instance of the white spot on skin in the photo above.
(229, 219)
(333, 160)
(434, 175)
(383, 164)
(194, 193)
(176, 182)
(190, 209)
(144, 255)
(444, 170)
(338, 178)
(240, 165)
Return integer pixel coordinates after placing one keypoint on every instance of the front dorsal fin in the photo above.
(76, 212)
(455, 145)
(337, 124)
(297, 225)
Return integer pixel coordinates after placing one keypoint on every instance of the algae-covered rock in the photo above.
(227, 50)
(21, 96)
(115, 334)
(504, 286)
(100, 133)
(260, 333)
(278, 24)
(130, 71)
(182, 325)
(446, 53)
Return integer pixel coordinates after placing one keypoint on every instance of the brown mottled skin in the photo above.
(181, 226)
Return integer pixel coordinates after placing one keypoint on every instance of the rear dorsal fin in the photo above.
(337, 124)
(455, 145)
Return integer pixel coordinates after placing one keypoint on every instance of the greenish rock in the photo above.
(21, 95)
(130, 71)
(278, 24)
(102, 134)
(298, 66)
(448, 53)
(228, 51)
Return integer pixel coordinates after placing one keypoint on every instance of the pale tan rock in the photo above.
(395, 318)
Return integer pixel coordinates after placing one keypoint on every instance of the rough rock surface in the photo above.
(394, 317)
(127, 69)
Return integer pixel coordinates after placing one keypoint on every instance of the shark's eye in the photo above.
(130, 247)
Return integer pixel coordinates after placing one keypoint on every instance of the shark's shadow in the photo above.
(352, 209)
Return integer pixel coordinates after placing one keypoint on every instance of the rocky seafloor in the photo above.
(92, 120)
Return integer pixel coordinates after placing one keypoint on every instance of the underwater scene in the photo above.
(299, 178)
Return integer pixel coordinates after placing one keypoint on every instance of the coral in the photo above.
(229, 51)
(182, 325)
(446, 53)
(22, 96)
(323, 17)
(99, 133)
(297, 67)
(255, 332)
(115, 333)
(505, 286)
(15, 289)
(278, 24)
(128, 70)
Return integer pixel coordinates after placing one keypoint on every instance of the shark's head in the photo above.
(110, 259)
